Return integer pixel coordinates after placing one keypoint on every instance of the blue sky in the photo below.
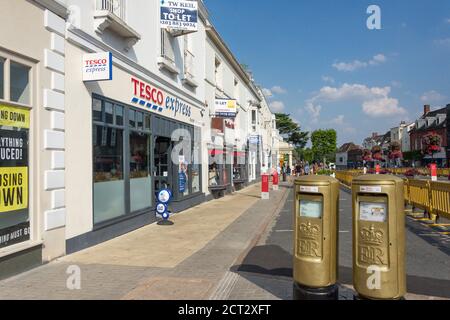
(319, 62)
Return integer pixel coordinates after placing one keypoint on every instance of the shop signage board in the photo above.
(253, 139)
(225, 108)
(150, 98)
(179, 15)
(14, 186)
(97, 67)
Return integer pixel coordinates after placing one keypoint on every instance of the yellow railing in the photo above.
(432, 197)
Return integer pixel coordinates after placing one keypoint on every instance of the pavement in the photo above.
(235, 248)
(188, 260)
(266, 272)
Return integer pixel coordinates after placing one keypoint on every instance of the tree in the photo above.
(291, 131)
(324, 144)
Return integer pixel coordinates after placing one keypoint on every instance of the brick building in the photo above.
(436, 121)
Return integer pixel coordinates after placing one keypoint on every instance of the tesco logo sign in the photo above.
(97, 66)
(150, 97)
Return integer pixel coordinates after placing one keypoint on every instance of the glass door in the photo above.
(163, 175)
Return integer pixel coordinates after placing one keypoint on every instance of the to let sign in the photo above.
(179, 15)
(97, 66)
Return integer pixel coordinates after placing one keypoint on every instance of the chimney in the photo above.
(375, 134)
(426, 109)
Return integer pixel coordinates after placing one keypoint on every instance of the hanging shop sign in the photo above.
(253, 139)
(225, 108)
(97, 66)
(179, 15)
(151, 98)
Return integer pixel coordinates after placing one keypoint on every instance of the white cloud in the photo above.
(357, 64)
(447, 21)
(378, 59)
(313, 110)
(349, 66)
(276, 106)
(339, 120)
(267, 93)
(432, 96)
(383, 107)
(279, 90)
(328, 79)
(375, 101)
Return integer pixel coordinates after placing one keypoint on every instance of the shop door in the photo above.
(162, 164)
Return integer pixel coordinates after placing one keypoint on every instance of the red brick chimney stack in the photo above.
(426, 109)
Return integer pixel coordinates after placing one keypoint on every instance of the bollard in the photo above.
(377, 169)
(433, 169)
(265, 187)
(275, 181)
(379, 237)
(316, 219)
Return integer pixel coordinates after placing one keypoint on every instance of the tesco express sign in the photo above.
(150, 97)
(97, 66)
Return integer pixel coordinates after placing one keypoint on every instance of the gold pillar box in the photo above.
(316, 222)
(379, 237)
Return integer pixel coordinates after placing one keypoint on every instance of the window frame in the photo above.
(35, 229)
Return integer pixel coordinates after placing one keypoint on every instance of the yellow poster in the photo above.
(13, 189)
(14, 117)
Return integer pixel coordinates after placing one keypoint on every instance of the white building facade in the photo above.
(99, 150)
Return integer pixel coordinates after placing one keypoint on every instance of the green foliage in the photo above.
(291, 131)
(305, 154)
(324, 144)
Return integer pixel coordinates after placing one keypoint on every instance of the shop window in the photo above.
(97, 113)
(132, 118)
(2, 78)
(20, 83)
(14, 172)
(140, 120)
(147, 121)
(140, 178)
(108, 163)
(239, 167)
(119, 115)
(109, 113)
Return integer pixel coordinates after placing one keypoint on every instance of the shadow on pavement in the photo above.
(270, 267)
(420, 231)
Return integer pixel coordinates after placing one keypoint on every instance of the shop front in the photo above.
(31, 213)
(141, 140)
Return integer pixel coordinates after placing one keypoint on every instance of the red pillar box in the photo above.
(377, 169)
(433, 168)
(275, 181)
(265, 187)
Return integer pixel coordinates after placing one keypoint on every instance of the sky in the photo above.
(319, 62)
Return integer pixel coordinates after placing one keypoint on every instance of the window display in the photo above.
(14, 172)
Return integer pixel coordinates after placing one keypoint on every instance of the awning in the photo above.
(239, 154)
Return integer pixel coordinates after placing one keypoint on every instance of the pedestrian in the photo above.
(307, 168)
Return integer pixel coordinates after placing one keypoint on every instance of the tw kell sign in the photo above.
(179, 15)
(97, 66)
